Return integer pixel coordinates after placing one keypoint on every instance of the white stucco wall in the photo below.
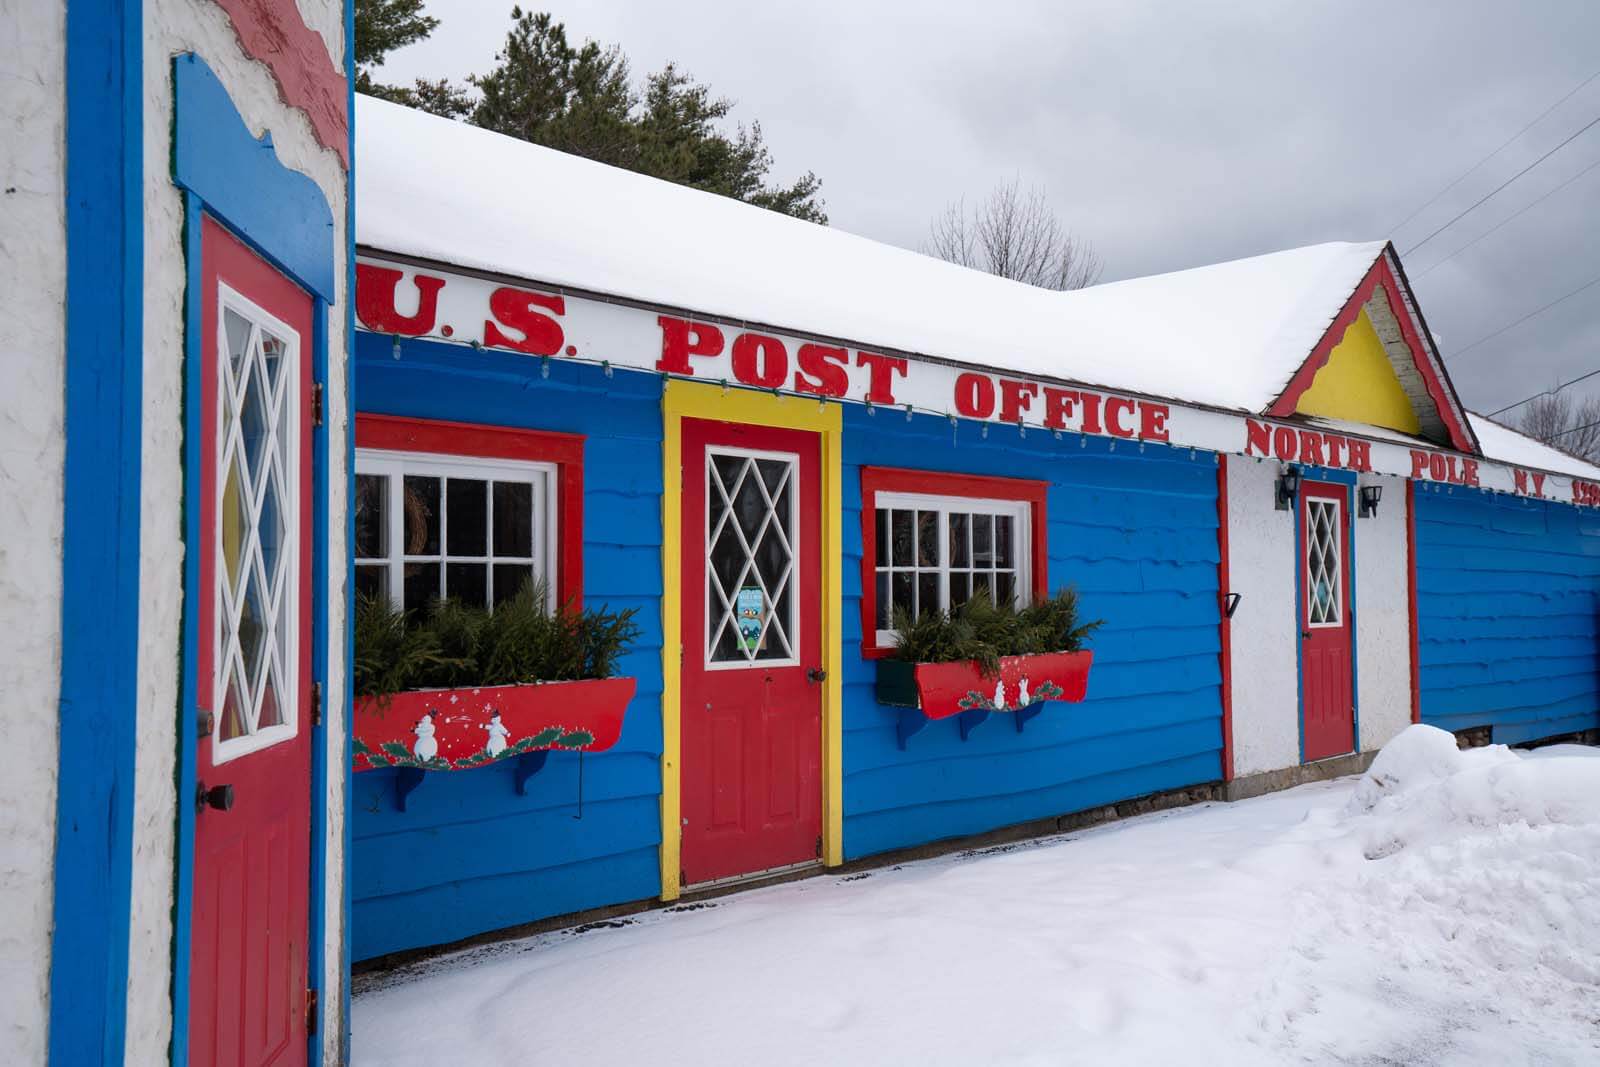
(32, 439)
(1383, 631)
(1261, 562)
(176, 26)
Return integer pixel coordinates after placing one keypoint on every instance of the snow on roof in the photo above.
(1229, 335)
(1503, 443)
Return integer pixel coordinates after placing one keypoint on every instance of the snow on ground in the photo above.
(1443, 909)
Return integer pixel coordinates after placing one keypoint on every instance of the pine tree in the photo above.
(381, 27)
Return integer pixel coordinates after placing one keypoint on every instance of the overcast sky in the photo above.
(1173, 135)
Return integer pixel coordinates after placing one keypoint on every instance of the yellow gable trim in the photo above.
(1358, 384)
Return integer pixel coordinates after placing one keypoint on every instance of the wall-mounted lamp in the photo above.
(1288, 486)
(1370, 495)
(1230, 604)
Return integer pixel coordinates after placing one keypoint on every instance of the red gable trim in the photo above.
(1380, 274)
(273, 32)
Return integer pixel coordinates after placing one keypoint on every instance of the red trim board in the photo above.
(875, 480)
(1378, 275)
(1411, 599)
(1224, 624)
(395, 433)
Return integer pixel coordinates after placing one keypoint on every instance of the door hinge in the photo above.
(819, 846)
(312, 1014)
(316, 703)
(206, 725)
(316, 403)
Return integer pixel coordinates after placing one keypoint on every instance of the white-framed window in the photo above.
(936, 552)
(256, 541)
(1324, 563)
(473, 529)
(752, 548)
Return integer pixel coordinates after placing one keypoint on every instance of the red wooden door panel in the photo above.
(1327, 708)
(253, 834)
(751, 711)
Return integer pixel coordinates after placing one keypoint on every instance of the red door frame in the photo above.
(1327, 653)
(276, 1034)
(738, 720)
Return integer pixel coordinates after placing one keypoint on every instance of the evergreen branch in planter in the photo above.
(982, 631)
(451, 645)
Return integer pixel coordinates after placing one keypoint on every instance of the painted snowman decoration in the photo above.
(426, 746)
(497, 735)
(1023, 700)
(1000, 695)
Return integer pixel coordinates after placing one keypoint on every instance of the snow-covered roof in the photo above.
(1230, 335)
(1510, 446)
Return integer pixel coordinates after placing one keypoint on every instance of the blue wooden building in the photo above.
(766, 436)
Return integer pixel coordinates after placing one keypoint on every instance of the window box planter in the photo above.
(464, 729)
(926, 691)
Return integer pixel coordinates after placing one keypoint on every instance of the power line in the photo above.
(1473, 169)
(1480, 202)
(1502, 222)
(1529, 315)
(1575, 429)
(1547, 392)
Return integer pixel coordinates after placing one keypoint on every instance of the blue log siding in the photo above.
(1136, 531)
(470, 855)
(1508, 591)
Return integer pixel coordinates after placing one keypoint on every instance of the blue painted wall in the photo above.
(1508, 591)
(470, 855)
(1136, 531)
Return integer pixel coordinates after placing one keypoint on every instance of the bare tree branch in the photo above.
(1573, 427)
(1015, 234)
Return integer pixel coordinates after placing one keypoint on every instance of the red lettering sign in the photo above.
(375, 301)
(537, 333)
(975, 396)
(681, 339)
(1116, 408)
(1015, 398)
(1058, 406)
(1257, 438)
(822, 371)
(1153, 421)
(760, 360)
(880, 375)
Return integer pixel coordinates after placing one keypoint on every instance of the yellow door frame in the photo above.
(697, 400)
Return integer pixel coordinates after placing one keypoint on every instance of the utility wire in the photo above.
(1481, 200)
(1547, 392)
(1529, 315)
(1575, 429)
(1496, 226)
(1473, 169)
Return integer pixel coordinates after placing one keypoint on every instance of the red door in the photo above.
(752, 645)
(1327, 710)
(252, 840)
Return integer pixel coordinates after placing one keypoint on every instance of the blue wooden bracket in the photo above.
(911, 721)
(1022, 715)
(406, 779)
(528, 765)
(970, 718)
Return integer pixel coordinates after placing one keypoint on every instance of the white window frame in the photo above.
(396, 465)
(794, 622)
(1019, 511)
(1338, 570)
(291, 610)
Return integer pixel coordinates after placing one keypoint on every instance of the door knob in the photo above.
(219, 797)
(1306, 634)
(816, 674)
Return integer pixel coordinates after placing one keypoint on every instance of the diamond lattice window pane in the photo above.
(1323, 572)
(750, 569)
(258, 600)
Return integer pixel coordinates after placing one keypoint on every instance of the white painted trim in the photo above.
(1019, 511)
(394, 466)
(793, 535)
(283, 598)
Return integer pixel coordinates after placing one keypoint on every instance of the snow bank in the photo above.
(1269, 932)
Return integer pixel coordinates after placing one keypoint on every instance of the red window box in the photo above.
(926, 691)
